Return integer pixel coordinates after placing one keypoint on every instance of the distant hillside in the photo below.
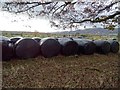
(94, 31)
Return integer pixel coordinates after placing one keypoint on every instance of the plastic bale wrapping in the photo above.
(3, 38)
(15, 39)
(27, 48)
(69, 47)
(50, 47)
(7, 49)
(37, 39)
(114, 46)
(86, 46)
(0, 51)
(102, 46)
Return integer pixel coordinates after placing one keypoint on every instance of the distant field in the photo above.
(97, 71)
(83, 71)
(43, 35)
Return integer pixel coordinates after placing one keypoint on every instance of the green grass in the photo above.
(43, 35)
(83, 71)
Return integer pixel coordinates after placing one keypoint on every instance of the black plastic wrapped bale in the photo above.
(27, 48)
(15, 39)
(0, 51)
(102, 46)
(37, 39)
(114, 46)
(85, 46)
(80, 37)
(50, 47)
(6, 47)
(3, 38)
(69, 47)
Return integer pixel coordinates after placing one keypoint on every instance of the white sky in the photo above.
(12, 22)
(35, 0)
(22, 22)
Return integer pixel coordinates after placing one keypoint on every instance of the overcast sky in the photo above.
(21, 22)
(12, 22)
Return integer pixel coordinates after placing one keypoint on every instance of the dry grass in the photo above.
(84, 71)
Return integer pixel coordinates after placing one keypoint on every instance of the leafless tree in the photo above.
(67, 14)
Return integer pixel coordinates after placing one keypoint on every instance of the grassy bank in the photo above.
(75, 71)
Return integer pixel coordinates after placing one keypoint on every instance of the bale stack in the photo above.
(15, 39)
(37, 39)
(6, 48)
(50, 47)
(23, 48)
(114, 46)
(69, 47)
(3, 38)
(0, 50)
(27, 48)
(85, 46)
(102, 46)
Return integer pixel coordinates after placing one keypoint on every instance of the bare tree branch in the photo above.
(108, 6)
(53, 7)
(99, 19)
(67, 13)
(27, 8)
(20, 3)
(64, 5)
(35, 4)
(106, 18)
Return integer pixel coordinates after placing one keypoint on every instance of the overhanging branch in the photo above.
(96, 20)
(21, 3)
(64, 5)
(108, 6)
(106, 18)
(27, 8)
(34, 4)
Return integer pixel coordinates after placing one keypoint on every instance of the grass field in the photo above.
(43, 35)
(83, 71)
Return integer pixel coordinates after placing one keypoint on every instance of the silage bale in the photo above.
(6, 48)
(0, 51)
(114, 46)
(15, 39)
(50, 47)
(27, 48)
(37, 39)
(81, 37)
(102, 46)
(69, 47)
(85, 46)
(3, 38)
